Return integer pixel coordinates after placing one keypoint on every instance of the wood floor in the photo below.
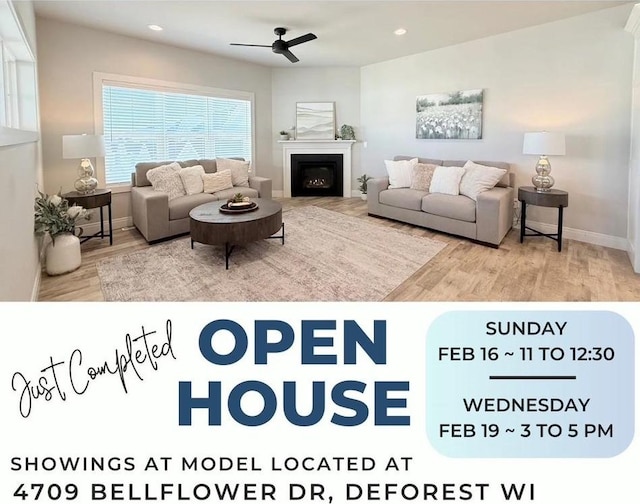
(463, 271)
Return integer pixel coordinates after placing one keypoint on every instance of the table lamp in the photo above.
(543, 144)
(83, 147)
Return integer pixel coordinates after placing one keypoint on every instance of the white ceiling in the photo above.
(350, 33)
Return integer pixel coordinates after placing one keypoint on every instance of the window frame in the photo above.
(101, 79)
(17, 62)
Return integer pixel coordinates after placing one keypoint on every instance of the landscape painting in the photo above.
(450, 116)
(315, 121)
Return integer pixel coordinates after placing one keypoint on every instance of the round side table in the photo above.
(551, 198)
(97, 199)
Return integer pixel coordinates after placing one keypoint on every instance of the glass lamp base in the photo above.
(86, 183)
(542, 180)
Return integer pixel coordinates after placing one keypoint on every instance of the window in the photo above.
(150, 123)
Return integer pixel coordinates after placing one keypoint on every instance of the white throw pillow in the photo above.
(479, 178)
(218, 181)
(239, 170)
(192, 179)
(166, 178)
(400, 172)
(446, 180)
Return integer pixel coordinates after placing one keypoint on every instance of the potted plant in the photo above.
(284, 135)
(54, 217)
(363, 179)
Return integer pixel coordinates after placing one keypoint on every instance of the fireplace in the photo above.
(318, 149)
(316, 174)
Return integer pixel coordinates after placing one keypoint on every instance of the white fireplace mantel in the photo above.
(343, 147)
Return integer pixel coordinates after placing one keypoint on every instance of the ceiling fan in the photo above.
(282, 46)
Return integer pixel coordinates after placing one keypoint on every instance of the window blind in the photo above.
(151, 125)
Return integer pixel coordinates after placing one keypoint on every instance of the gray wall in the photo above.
(573, 75)
(20, 172)
(333, 84)
(66, 89)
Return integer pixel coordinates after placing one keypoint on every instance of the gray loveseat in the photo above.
(486, 221)
(156, 217)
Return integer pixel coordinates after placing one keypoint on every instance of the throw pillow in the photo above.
(239, 170)
(218, 181)
(400, 172)
(479, 178)
(421, 176)
(166, 178)
(446, 180)
(192, 179)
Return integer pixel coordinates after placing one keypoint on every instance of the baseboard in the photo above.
(277, 194)
(94, 227)
(581, 235)
(36, 284)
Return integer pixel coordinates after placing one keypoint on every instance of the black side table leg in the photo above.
(101, 223)
(523, 219)
(560, 211)
(110, 224)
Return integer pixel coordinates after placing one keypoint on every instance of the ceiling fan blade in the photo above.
(290, 56)
(301, 39)
(250, 45)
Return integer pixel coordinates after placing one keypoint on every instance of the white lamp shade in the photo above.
(82, 146)
(544, 143)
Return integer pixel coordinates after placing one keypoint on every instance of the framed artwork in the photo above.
(315, 121)
(450, 116)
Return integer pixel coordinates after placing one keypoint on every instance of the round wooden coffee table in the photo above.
(210, 226)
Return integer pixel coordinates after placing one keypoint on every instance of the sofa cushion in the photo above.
(209, 165)
(400, 172)
(239, 170)
(402, 198)
(179, 208)
(166, 178)
(436, 162)
(191, 177)
(504, 181)
(446, 180)
(218, 181)
(421, 176)
(188, 163)
(452, 207)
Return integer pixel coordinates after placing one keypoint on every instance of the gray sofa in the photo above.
(156, 217)
(486, 220)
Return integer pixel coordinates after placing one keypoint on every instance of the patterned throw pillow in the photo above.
(192, 179)
(239, 170)
(166, 178)
(218, 181)
(421, 176)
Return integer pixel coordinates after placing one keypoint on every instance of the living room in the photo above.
(549, 74)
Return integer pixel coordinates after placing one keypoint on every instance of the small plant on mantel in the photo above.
(363, 179)
(284, 135)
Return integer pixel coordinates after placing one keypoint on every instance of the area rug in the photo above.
(327, 256)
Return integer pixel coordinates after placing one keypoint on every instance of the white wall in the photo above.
(633, 26)
(573, 75)
(333, 84)
(20, 172)
(69, 54)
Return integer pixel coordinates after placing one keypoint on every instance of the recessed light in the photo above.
(400, 31)
(155, 27)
